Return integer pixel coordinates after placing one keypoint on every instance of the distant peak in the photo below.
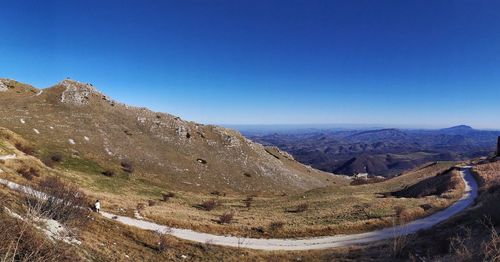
(79, 93)
(69, 81)
(460, 127)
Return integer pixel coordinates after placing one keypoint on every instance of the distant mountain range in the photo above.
(384, 152)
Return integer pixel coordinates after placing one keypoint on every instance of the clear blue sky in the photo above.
(404, 63)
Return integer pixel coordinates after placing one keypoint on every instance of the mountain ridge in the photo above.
(385, 152)
(79, 120)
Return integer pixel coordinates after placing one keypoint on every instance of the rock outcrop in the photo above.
(78, 93)
(498, 146)
(3, 87)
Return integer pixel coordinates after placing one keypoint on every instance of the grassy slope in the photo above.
(332, 210)
(155, 143)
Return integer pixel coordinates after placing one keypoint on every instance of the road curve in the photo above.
(298, 244)
(318, 242)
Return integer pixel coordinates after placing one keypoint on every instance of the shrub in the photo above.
(28, 173)
(151, 203)
(399, 210)
(167, 196)
(163, 244)
(127, 166)
(276, 225)
(56, 157)
(459, 245)
(259, 229)
(491, 248)
(218, 193)
(302, 208)
(140, 206)
(62, 202)
(248, 202)
(25, 149)
(48, 162)
(109, 173)
(209, 205)
(226, 218)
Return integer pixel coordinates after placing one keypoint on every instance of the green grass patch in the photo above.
(82, 165)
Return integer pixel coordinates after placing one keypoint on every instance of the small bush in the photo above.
(302, 208)
(209, 205)
(460, 245)
(25, 149)
(226, 218)
(218, 193)
(127, 166)
(109, 173)
(163, 244)
(28, 173)
(248, 202)
(259, 230)
(140, 206)
(151, 203)
(167, 196)
(48, 162)
(128, 133)
(491, 248)
(399, 211)
(56, 157)
(276, 225)
(63, 203)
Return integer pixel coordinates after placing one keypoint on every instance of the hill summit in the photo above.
(97, 133)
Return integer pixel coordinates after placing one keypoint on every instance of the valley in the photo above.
(378, 152)
(39, 144)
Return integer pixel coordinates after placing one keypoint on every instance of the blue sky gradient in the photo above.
(395, 63)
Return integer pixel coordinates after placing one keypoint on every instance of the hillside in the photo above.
(385, 152)
(93, 133)
(332, 210)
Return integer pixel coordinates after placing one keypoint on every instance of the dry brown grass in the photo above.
(491, 248)
(21, 241)
(331, 210)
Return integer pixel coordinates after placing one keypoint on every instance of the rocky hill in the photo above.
(80, 123)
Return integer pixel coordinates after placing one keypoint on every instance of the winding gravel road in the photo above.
(299, 244)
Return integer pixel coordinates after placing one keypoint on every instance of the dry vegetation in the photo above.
(470, 236)
(324, 211)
